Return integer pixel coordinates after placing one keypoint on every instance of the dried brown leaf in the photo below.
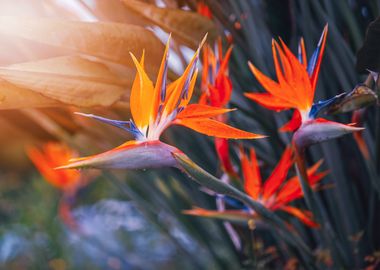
(106, 40)
(186, 26)
(13, 97)
(69, 79)
(114, 11)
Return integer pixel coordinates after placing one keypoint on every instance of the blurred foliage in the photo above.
(134, 219)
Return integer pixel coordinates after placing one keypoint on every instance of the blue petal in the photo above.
(313, 61)
(185, 90)
(299, 53)
(210, 75)
(128, 126)
(322, 104)
(163, 86)
(314, 57)
(180, 109)
(235, 203)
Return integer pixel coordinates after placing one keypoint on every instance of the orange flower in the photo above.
(275, 193)
(204, 10)
(69, 181)
(154, 108)
(52, 155)
(216, 91)
(295, 89)
(297, 80)
(216, 85)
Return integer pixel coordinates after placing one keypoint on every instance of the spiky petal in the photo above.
(296, 81)
(153, 109)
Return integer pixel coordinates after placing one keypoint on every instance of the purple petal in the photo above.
(164, 78)
(128, 126)
(320, 130)
(132, 155)
(324, 104)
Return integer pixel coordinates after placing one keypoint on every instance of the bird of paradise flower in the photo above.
(216, 89)
(276, 193)
(295, 89)
(45, 160)
(154, 108)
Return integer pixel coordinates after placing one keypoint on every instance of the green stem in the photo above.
(311, 202)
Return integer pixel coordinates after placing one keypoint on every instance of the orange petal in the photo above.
(304, 216)
(285, 62)
(135, 103)
(204, 10)
(251, 173)
(201, 111)
(223, 152)
(292, 188)
(203, 99)
(185, 100)
(214, 96)
(223, 86)
(279, 174)
(293, 86)
(290, 192)
(224, 64)
(299, 81)
(294, 123)
(219, 45)
(286, 93)
(314, 76)
(269, 85)
(205, 69)
(357, 118)
(170, 88)
(176, 95)
(269, 101)
(141, 96)
(303, 53)
(215, 128)
(54, 154)
(359, 139)
(212, 63)
(313, 169)
(160, 87)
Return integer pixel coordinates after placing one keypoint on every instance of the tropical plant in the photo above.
(317, 208)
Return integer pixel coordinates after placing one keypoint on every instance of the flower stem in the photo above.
(205, 179)
(311, 201)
